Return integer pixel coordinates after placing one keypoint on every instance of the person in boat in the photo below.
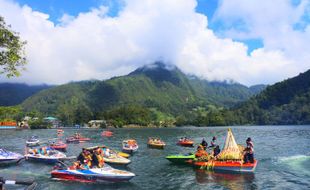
(97, 160)
(76, 165)
(85, 165)
(204, 143)
(107, 152)
(83, 155)
(216, 151)
(249, 151)
(213, 142)
(201, 152)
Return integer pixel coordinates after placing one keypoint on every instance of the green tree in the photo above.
(12, 54)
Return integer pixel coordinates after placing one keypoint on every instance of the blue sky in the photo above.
(247, 41)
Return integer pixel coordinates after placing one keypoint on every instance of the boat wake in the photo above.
(298, 163)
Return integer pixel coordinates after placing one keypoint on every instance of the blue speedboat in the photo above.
(7, 157)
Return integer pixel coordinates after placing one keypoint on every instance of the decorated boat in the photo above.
(155, 143)
(45, 155)
(33, 141)
(227, 166)
(130, 146)
(230, 159)
(180, 158)
(59, 145)
(7, 157)
(107, 173)
(185, 142)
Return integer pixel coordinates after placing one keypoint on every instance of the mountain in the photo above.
(15, 93)
(157, 86)
(286, 102)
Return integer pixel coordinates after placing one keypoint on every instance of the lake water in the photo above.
(283, 154)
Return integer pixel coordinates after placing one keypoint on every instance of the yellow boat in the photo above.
(156, 143)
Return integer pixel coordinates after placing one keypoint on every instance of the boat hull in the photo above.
(60, 147)
(180, 159)
(92, 175)
(4, 162)
(130, 150)
(157, 146)
(186, 144)
(229, 166)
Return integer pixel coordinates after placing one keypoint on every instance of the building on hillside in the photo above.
(97, 123)
(52, 120)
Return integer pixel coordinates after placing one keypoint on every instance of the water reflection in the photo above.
(231, 181)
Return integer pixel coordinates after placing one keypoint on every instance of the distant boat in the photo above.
(156, 143)
(59, 145)
(107, 133)
(130, 146)
(185, 142)
(77, 138)
(33, 141)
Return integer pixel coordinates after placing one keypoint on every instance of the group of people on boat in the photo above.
(91, 158)
(248, 152)
(155, 140)
(42, 151)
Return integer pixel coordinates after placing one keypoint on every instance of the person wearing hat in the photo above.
(249, 151)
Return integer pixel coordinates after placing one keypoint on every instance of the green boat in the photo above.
(181, 159)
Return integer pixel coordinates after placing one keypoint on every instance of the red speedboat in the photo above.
(77, 139)
(107, 134)
(186, 142)
(61, 146)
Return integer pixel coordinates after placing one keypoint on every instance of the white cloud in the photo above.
(94, 45)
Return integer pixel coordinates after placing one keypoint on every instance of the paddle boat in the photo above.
(130, 146)
(181, 159)
(155, 143)
(106, 173)
(77, 138)
(185, 142)
(7, 157)
(110, 156)
(59, 145)
(33, 141)
(107, 133)
(45, 155)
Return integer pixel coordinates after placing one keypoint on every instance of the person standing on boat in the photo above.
(249, 151)
(213, 142)
(204, 143)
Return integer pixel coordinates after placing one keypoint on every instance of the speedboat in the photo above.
(130, 146)
(50, 156)
(156, 143)
(107, 134)
(59, 145)
(107, 173)
(110, 156)
(77, 139)
(181, 159)
(186, 142)
(33, 141)
(7, 157)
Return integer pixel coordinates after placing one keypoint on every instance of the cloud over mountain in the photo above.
(95, 45)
